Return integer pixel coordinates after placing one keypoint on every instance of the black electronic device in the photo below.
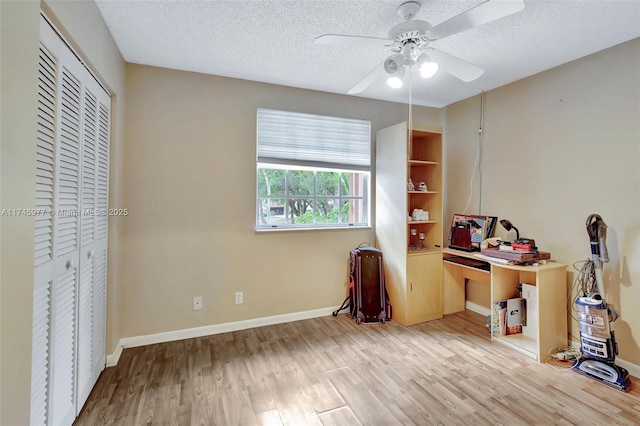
(473, 263)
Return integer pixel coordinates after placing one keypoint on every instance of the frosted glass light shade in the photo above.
(428, 69)
(394, 82)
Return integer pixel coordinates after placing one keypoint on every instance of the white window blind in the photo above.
(310, 140)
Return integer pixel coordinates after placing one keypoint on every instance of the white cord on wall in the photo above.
(475, 167)
(477, 164)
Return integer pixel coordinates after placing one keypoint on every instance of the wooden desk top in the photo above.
(550, 264)
(462, 253)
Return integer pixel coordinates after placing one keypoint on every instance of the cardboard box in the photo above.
(515, 315)
(507, 317)
(515, 312)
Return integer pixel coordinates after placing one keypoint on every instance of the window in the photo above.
(312, 171)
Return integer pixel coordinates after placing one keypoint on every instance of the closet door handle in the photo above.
(70, 264)
(90, 254)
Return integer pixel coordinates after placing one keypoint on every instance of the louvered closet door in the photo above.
(99, 311)
(87, 240)
(66, 233)
(56, 247)
(70, 239)
(92, 285)
(43, 250)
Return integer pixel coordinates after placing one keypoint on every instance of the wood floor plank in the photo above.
(338, 417)
(333, 371)
(360, 398)
(269, 418)
(323, 396)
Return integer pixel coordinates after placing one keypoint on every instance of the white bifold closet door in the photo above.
(70, 252)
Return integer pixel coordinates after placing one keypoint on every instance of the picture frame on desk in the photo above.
(491, 225)
(468, 231)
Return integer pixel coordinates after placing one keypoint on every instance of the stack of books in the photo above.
(518, 256)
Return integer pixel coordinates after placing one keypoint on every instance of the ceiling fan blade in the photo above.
(455, 66)
(351, 40)
(368, 79)
(474, 17)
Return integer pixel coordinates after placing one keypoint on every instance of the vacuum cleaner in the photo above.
(596, 317)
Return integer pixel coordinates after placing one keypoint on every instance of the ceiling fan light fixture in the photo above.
(394, 63)
(395, 82)
(427, 68)
(411, 39)
(394, 66)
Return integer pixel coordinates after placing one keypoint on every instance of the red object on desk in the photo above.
(521, 247)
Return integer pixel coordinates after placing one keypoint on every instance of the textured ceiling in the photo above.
(271, 41)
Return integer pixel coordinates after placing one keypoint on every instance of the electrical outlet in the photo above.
(197, 303)
(239, 298)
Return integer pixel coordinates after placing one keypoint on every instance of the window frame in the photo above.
(297, 141)
(286, 196)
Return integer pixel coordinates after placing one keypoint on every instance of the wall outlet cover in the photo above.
(197, 303)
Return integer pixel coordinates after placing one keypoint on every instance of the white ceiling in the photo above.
(271, 41)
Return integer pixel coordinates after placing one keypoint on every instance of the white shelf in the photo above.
(419, 252)
(422, 163)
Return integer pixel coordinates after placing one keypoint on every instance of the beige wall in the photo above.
(189, 183)
(19, 22)
(84, 28)
(559, 146)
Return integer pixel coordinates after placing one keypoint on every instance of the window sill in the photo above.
(328, 228)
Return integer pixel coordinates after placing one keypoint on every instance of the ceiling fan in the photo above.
(409, 43)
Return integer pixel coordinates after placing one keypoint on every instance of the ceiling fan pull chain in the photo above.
(410, 114)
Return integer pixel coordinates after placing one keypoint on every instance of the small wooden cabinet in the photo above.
(413, 266)
(424, 288)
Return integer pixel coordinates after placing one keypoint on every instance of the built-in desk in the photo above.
(550, 282)
(456, 272)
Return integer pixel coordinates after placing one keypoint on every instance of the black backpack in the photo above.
(367, 299)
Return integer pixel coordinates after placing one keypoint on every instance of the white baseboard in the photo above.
(112, 360)
(477, 308)
(149, 339)
(633, 369)
(207, 330)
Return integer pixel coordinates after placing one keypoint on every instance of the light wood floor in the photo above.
(330, 371)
